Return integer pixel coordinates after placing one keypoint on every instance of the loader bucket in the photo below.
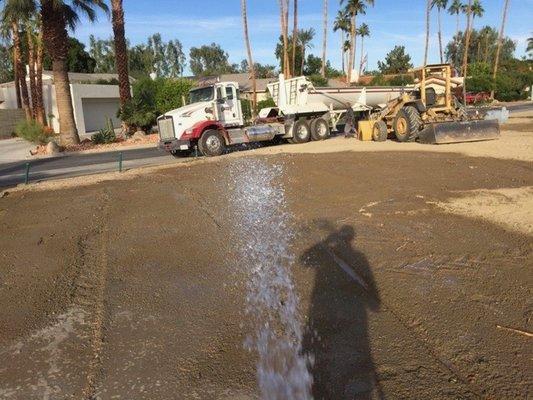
(460, 131)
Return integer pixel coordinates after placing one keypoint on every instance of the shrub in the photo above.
(152, 98)
(170, 93)
(31, 131)
(106, 135)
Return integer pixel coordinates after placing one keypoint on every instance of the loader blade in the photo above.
(460, 131)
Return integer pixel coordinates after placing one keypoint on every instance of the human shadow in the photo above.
(337, 332)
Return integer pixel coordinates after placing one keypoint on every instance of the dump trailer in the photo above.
(426, 116)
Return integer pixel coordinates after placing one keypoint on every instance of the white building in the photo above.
(93, 102)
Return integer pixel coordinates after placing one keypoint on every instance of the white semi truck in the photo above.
(214, 120)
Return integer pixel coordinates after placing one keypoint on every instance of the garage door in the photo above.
(96, 112)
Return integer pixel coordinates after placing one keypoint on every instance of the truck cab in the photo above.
(215, 107)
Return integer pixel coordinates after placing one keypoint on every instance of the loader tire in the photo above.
(379, 131)
(211, 143)
(319, 129)
(407, 124)
(301, 131)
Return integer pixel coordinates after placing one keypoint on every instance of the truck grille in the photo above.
(166, 128)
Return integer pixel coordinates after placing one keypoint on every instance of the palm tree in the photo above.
(500, 40)
(354, 8)
(467, 44)
(441, 5)
(294, 36)
(477, 10)
(456, 8)
(305, 37)
(121, 51)
(251, 64)
(324, 39)
(428, 12)
(284, 20)
(363, 31)
(342, 24)
(57, 15)
(13, 13)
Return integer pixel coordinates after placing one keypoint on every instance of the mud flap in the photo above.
(460, 131)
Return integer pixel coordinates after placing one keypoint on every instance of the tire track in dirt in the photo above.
(90, 291)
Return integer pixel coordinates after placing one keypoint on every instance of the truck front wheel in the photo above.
(211, 143)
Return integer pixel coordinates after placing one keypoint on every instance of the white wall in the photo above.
(109, 95)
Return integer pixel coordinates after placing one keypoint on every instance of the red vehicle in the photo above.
(477, 97)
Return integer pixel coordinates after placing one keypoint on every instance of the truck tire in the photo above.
(379, 131)
(319, 129)
(301, 131)
(406, 124)
(211, 143)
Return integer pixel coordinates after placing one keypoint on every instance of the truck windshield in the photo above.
(202, 94)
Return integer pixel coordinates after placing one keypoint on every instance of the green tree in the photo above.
(261, 70)
(78, 59)
(209, 60)
(6, 65)
(530, 45)
(396, 61)
(103, 53)
(482, 48)
(279, 51)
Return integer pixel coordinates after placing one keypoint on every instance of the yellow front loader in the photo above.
(431, 117)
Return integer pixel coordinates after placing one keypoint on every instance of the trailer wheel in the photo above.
(406, 124)
(211, 143)
(379, 131)
(319, 129)
(301, 131)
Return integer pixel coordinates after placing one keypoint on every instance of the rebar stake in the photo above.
(27, 175)
(120, 161)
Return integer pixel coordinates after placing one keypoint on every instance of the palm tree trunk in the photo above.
(351, 56)
(362, 54)
(428, 8)
(440, 38)
(56, 39)
(303, 59)
(284, 29)
(16, 78)
(31, 64)
(456, 55)
(250, 58)
(40, 112)
(467, 45)
(121, 51)
(295, 38)
(21, 71)
(499, 47)
(324, 39)
(342, 51)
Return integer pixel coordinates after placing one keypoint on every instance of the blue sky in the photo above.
(391, 22)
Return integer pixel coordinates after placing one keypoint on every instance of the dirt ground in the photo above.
(412, 267)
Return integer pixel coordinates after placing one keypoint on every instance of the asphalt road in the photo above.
(71, 165)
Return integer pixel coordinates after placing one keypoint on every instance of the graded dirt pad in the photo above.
(136, 289)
